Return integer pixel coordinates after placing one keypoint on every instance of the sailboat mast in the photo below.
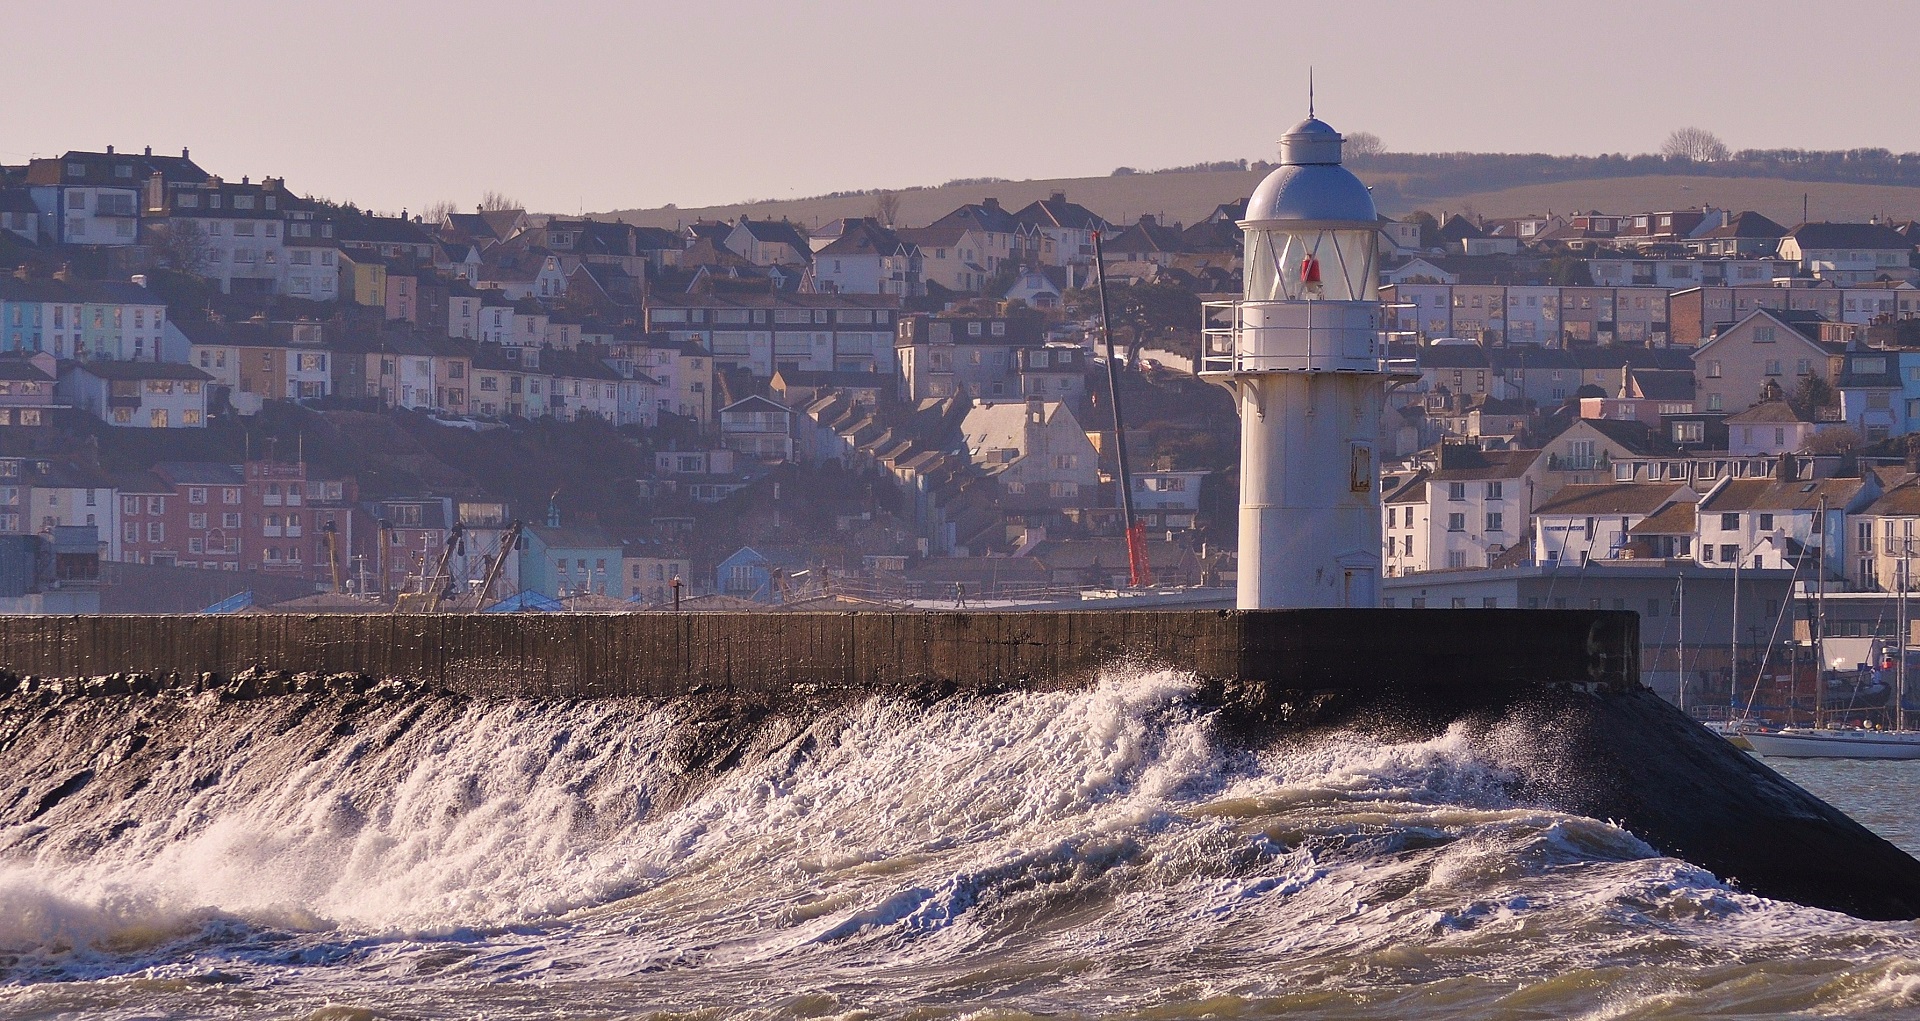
(1899, 649)
(1680, 609)
(1820, 624)
(1733, 657)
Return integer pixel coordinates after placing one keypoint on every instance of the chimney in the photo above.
(1058, 196)
(183, 152)
(109, 150)
(148, 152)
(244, 179)
(991, 203)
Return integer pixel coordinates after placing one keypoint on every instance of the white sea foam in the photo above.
(1070, 851)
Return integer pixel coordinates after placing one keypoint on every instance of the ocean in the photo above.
(1100, 853)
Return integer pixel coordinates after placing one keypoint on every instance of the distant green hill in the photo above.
(1851, 185)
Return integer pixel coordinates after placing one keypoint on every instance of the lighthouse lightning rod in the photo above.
(1137, 573)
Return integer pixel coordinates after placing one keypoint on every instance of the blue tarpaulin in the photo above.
(527, 601)
(232, 604)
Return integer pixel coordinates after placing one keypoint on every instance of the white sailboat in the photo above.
(1854, 742)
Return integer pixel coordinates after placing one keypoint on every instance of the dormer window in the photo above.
(213, 201)
(124, 170)
(243, 202)
(187, 201)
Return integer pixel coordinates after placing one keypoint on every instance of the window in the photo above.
(1493, 490)
(1766, 522)
(1456, 522)
(1729, 552)
(1494, 522)
(1713, 369)
(1456, 491)
(197, 494)
(1729, 522)
(1653, 607)
(1773, 367)
(196, 521)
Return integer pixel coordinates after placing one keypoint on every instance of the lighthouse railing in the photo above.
(1291, 336)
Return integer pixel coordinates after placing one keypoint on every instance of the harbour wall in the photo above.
(667, 654)
(1566, 681)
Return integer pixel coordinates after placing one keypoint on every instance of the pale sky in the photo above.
(596, 106)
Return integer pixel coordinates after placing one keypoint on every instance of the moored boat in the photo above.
(1849, 743)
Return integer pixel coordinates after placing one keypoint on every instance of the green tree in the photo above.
(1811, 395)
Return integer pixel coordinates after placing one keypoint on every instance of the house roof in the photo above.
(1056, 211)
(1767, 413)
(1663, 384)
(1770, 494)
(136, 370)
(17, 368)
(1609, 498)
(986, 215)
(1489, 464)
(865, 236)
(752, 402)
(1453, 356)
(1902, 500)
(1748, 224)
(775, 232)
(1677, 518)
(1873, 236)
(194, 473)
(572, 537)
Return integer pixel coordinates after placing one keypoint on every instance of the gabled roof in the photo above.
(1056, 211)
(136, 370)
(755, 402)
(198, 473)
(1748, 224)
(986, 215)
(1454, 356)
(780, 232)
(1677, 518)
(1767, 413)
(1804, 326)
(1146, 235)
(1769, 494)
(1489, 465)
(1902, 500)
(865, 236)
(1662, 384)
(1610, 498)
(1872, 236)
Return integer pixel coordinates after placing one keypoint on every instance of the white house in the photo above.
(140, 395)
(1592, 522)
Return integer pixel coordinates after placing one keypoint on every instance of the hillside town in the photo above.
(203, 377)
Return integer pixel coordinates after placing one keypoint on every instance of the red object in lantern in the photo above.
(1310, 270)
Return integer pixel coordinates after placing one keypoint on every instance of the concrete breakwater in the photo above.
(1607, 747)
(661, 654)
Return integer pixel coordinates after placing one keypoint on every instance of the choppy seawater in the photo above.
(1063, 855)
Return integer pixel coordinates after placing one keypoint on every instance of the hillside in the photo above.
(1189, 196)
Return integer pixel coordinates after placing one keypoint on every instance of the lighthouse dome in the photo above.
(1311, 184)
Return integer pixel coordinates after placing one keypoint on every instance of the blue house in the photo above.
(561, 561)
(1874, 392)
(762, 577)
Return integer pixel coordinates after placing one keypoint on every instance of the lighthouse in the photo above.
(1302, 353)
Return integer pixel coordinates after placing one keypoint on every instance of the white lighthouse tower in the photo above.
(1302, 353)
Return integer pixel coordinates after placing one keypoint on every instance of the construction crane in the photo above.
(433, 587)
(508, 542)
(332, 536)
